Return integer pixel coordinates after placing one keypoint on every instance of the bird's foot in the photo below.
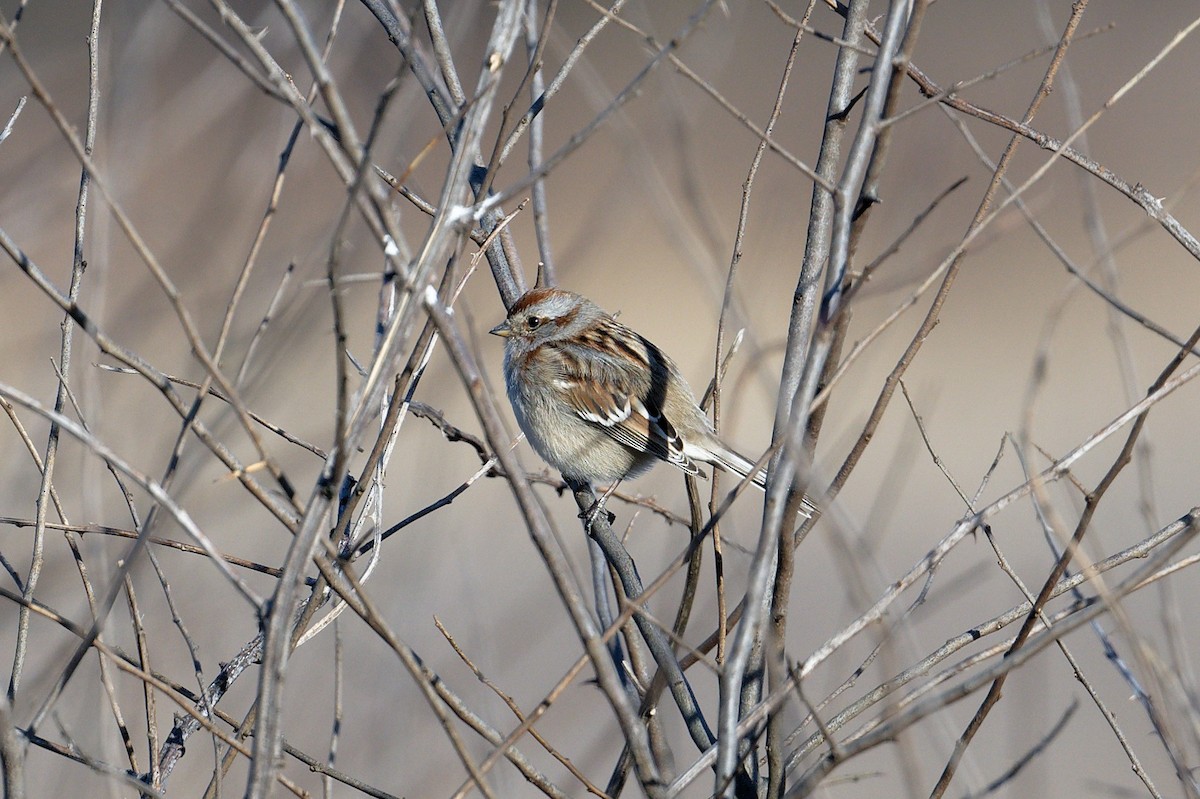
(590, 515)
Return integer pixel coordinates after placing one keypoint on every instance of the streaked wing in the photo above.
(626, 419)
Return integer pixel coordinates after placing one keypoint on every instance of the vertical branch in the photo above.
(78, 265)
(800, 327)
(335, 732)
(534, 44)
(775, 783)
(11, 762)
(820, 220)
(440, 238)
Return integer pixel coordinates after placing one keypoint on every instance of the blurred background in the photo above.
(642, 219)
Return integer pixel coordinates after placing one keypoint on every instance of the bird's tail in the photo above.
(721, 456)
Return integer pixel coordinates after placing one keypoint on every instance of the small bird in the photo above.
(598, 401)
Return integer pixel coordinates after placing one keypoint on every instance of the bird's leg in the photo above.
(590, 515)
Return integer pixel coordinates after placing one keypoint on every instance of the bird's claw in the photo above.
(590, 515)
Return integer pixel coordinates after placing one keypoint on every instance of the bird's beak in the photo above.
(502, 330)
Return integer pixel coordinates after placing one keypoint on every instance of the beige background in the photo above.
(643, 217)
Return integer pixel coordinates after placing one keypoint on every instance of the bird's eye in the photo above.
(534, 322)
